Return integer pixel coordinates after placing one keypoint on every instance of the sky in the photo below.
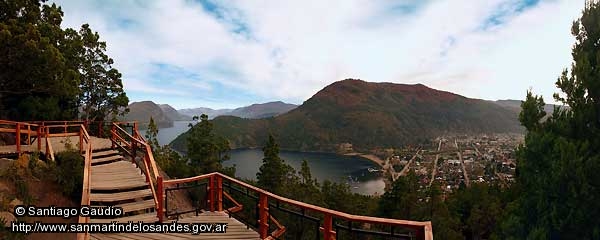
(232, 53)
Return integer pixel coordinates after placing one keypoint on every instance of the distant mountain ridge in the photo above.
(515, 105)
(173, 114)
(254, 111)
(368, 115)
(142, 111)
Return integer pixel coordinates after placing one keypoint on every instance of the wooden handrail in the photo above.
(149, 163)
(85, 194)
(422, 228)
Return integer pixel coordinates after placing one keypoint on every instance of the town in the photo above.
(452, 161)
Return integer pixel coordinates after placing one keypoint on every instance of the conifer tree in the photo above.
(558, 165)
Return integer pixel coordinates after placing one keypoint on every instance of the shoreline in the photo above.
(369, 157)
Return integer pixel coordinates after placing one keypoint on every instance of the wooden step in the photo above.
(147, 217)
(136, 206)
(118, 184)
(106, 159)
(120, 196)
(104, 153)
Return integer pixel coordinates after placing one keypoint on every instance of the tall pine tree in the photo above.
(558, 164)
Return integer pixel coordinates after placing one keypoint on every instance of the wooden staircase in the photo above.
(118, 182)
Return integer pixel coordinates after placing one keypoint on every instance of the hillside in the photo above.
(515, 106)
(368, 115)
(142, 111)
(172, 114)
(254, 111)
(212, 113)
(262, 110)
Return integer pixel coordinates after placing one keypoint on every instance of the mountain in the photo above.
(262, 110)
(368, 115)
(142, 111)
(212, 113)
(172, 114)
(515, 106)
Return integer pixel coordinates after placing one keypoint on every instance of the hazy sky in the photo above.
(232, 53)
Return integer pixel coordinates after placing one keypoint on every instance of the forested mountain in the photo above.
(172, 114)
(259, 110)
(262, 110)
(142, 111)
(515, 106)
(211, 113)
(369, 115)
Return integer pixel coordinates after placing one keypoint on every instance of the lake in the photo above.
(351, 170)
(166, 135)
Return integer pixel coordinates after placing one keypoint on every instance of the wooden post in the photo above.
(47, 145)
(18, 139)
(328, 233)
(113, 137)
(211, 193)
(160, 199)
(28, 134)
(39, 138)
(80, 140)
(146, 162)
(135, 129)
(100, 129)
(65, 125)
(263, 216)
(219, 193)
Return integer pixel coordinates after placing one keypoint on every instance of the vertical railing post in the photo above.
(219, 193)
(28, 134)
(112, 135)
(39, 138)
(65, 125)
(86, 125)
(160, 196)
(211, 193)
(100, 129)
(46, 130)
(146, 161)
(263, 216)
(18, 138)
(135, 129)
(80, 140)
(328, 233)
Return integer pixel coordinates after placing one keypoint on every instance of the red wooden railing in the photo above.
(131, 145)
(87, 175)
(215, 201)
(23, 128)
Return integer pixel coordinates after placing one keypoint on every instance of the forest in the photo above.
(50, 73)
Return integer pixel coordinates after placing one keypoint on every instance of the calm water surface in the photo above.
(166, 135)
(323, 166)
(349, 170)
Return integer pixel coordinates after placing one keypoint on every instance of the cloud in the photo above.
(232, 53)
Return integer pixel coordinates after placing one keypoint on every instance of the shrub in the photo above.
(69, 173)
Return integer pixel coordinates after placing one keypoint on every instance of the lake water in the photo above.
(166, 135)
(349, 170)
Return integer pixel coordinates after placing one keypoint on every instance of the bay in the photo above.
(166, 135)
(350, 170)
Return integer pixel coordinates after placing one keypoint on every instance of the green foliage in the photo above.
(272, 173)
(101, 87)
(558, 165)
(169, 161)
(205, 150)
(69, 173)
(47, 71)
